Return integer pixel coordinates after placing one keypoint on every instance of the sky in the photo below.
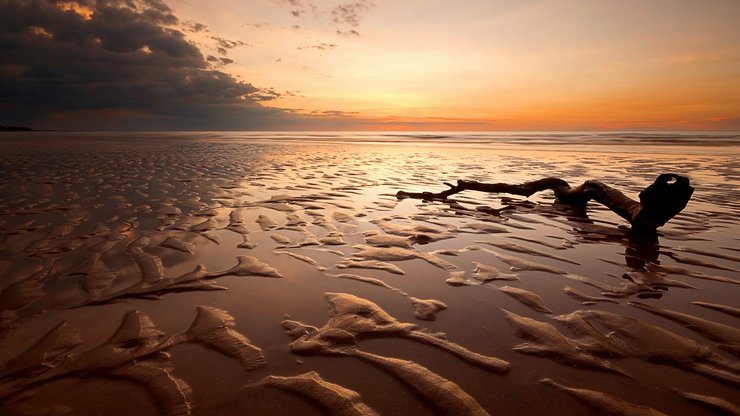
(370, 64)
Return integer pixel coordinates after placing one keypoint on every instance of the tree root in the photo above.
(659, 202)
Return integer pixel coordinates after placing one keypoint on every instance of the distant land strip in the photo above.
(15, 128)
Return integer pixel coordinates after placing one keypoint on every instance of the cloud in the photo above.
(333, 113)
(258, 25)
(345, 16)
(320, 46)
(299, 8)
(110, 63)
(269, 94)
(350, 13)
(218, 62)
(715, 123)
(195, 27)
(348, 33)
(223, 45)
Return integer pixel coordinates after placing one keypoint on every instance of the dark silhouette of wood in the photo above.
(659, 202)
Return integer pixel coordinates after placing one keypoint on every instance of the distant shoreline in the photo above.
(15, 128)
(371, 131)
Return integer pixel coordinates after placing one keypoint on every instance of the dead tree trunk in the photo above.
(659, 202)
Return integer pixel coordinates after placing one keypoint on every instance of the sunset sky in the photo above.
(371, 64)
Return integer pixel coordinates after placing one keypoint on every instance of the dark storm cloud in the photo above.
(115, 57)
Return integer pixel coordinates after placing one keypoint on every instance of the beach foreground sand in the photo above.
(206, 274)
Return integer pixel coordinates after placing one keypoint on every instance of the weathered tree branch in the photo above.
(659, 202)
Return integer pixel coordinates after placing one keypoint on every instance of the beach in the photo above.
(213, 273)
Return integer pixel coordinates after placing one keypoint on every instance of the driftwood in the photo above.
(659, 202)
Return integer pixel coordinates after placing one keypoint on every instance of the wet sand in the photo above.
(211, 274)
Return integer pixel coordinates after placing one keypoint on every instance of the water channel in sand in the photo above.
(216, 273)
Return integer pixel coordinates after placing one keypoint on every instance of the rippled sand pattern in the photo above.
(211, 275)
